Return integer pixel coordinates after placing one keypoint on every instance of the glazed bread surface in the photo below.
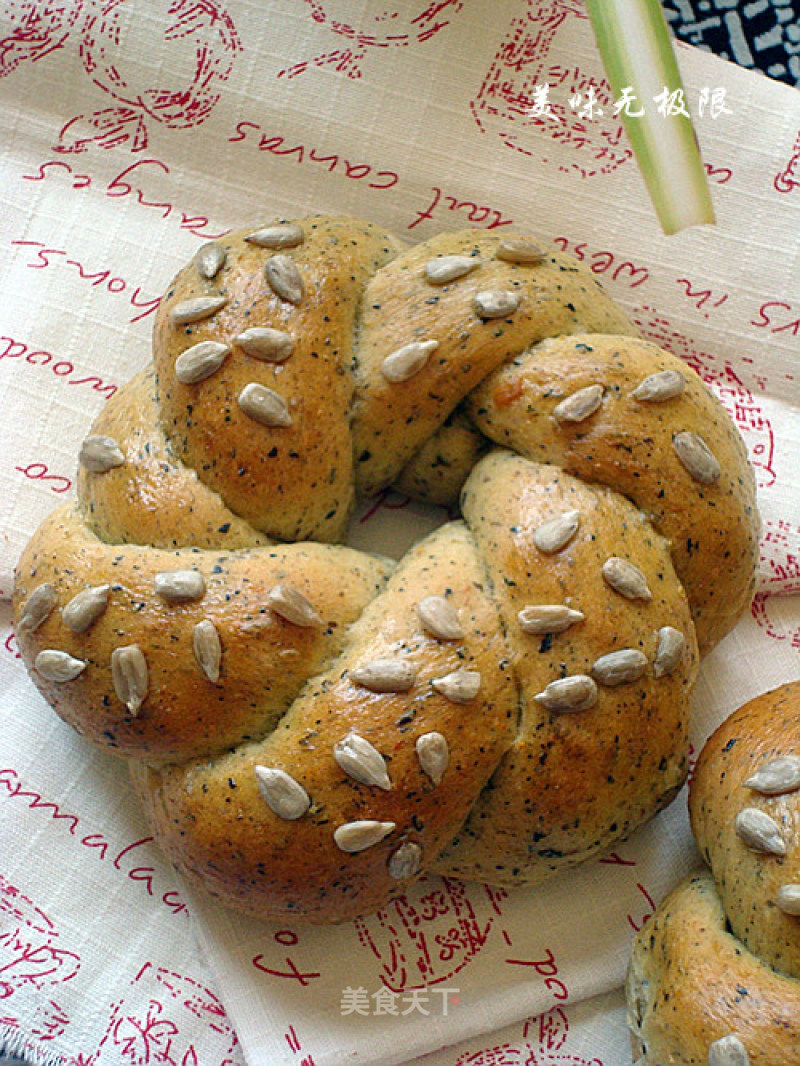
(311, 728)
(715, 973)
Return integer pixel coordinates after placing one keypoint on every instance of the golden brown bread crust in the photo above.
(629, 444)
(748, 880)
(437, 472)
(392, 422)
(595, 778)
(294, 369)
(691, 983)
(265, 659)
(720, 959)
(154, 498)
(305, 489)
(270, 866)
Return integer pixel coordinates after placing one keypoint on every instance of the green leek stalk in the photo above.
(636, 48)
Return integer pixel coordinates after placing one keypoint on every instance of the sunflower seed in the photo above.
(574, 693)
(626, 579)
(359, 835)
(405, 362)
(495, 303)
(130, 676)
(179, 586)
(461, 686)
(363, 762)
(38, 607)
(207, 649)
(671, 643)
(85, 608)
(281, 235)
(759, 831)
(728, 1051)
(405, 862)
(200, 362)
(580, 404)
(57, 665)
(440, 618)
(433, 754)
(100, 454)
(265, 343)
(777, 776)
(385, 675)
(697, 457)
(545, 618)
(665, 385)
(619, 667)
(449, 268)
(209, 260)
(196, 309)
(281, 793)
(264, 405)
(284, 278)
(292, 605)
(788, 899)
(515, 250)
(556, 533)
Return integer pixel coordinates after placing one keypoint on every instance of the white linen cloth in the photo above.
(134, 130)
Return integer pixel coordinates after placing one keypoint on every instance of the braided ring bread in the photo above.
(715, 973)
(311, 727)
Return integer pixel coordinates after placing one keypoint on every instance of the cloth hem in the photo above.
(15, 1042)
